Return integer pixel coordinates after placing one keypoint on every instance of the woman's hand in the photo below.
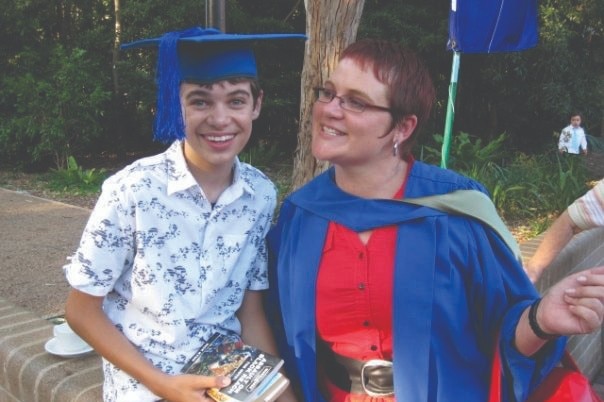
(575, 305)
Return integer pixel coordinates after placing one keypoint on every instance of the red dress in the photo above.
(354, 298)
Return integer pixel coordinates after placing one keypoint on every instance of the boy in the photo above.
(572, 138)
(174, 249)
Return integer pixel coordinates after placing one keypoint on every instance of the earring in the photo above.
(395, 149)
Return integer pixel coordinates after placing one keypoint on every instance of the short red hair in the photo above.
(410, 88)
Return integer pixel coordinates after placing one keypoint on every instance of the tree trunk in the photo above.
(330, 27)
(118, 121)
(117, 40)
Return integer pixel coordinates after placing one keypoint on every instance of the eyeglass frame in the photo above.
(343, 101)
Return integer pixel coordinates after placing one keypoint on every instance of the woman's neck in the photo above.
(379, 181)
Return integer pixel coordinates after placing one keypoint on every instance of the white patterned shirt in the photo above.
(572, 140)
(587, 212)
(172, 269)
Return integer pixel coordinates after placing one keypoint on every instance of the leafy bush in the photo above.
(533, 188)
(55, 113)
(75, 179)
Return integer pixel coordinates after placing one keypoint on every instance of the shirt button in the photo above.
(373, 347)
(361, 286)
(361, 255)
(365, 323)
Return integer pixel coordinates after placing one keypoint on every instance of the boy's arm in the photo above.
(255, 330)
(85, 315)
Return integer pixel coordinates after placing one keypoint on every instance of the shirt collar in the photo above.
(181, 179)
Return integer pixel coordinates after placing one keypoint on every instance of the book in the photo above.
(254, 373)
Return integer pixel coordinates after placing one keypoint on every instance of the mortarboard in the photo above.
(197, 55)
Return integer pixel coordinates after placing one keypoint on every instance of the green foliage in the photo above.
(467, 152)
(521, 186)
(56, 112)
(74, 179)
(262, 155)
(57, 72)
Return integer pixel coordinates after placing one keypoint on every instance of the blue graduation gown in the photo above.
(456, 287)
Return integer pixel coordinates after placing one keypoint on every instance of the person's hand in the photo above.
(188, 387)
(575, 305)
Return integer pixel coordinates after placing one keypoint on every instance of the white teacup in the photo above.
(68, 340)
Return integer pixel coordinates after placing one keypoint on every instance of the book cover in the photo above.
(253, 373)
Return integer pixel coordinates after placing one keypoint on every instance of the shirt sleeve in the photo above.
(106, 247)
(587, 212)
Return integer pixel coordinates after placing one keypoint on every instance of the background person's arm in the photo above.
(554, 240)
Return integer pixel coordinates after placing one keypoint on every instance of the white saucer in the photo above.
(52, 346)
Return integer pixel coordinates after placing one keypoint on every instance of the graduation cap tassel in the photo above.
(169, 123)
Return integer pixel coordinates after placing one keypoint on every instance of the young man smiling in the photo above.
(174, 249)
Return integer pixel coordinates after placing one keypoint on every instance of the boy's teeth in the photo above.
(222, 138)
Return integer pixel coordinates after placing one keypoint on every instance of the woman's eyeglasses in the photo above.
(349, 103)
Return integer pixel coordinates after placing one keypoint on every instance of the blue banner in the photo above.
(488, 26)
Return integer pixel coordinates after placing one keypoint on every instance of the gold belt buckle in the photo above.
(371, 364)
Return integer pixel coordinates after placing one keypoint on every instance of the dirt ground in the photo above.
(36, 236)
(594, 163)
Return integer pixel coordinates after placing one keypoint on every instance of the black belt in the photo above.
(372, 377)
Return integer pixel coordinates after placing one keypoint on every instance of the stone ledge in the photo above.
(29, 374)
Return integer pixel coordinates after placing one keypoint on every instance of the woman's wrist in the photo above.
(534, 323)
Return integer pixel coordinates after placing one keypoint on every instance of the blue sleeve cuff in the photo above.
(521, 374)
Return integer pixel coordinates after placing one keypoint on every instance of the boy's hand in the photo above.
(189, 387)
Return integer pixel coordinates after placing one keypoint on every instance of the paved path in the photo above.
(36, 236)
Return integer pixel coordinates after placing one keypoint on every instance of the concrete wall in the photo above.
(29, 374)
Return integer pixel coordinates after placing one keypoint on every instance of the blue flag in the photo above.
(488, 26)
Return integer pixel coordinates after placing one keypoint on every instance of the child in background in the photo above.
(572, 138)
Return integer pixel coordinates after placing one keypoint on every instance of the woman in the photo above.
(383, 300)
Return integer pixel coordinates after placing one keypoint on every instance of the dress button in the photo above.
(373, 347)
(361, 255)
(365, 323)
(361, 286)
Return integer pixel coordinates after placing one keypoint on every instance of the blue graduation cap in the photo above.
(197, 55)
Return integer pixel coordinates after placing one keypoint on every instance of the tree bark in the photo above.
(117, 41)
(118, 103)
(330, 27)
